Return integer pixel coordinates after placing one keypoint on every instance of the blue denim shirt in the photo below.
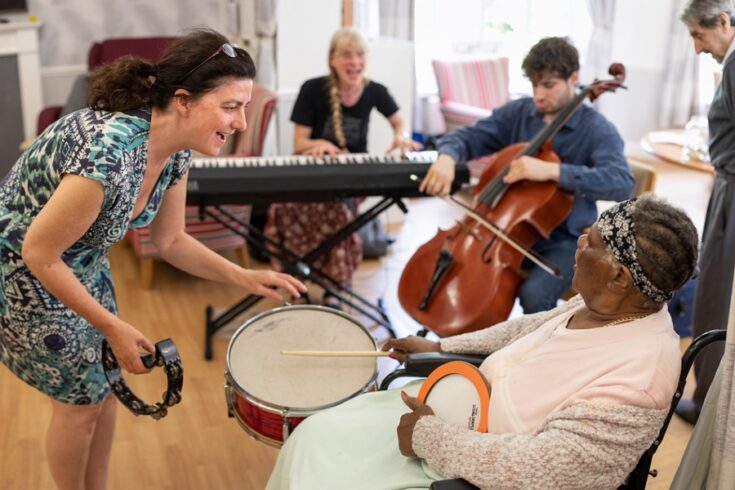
(591, 150)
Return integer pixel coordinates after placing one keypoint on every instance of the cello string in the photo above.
(498, 232)
(528, 253)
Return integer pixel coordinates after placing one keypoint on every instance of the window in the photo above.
(709, 76)
(461, 29)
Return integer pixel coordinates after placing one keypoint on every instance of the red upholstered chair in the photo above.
(470, 90)
(258, 116)
(149, 48)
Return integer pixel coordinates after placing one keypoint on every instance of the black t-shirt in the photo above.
(312, 109)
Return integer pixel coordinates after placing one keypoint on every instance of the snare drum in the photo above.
(270, 394)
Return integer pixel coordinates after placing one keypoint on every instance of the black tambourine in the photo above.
(166, 356)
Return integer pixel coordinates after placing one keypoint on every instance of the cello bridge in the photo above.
(470, 230)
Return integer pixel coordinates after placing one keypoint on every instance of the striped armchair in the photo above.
(208, 231)
(470, 90)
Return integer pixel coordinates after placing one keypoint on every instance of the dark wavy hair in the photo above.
(551, 56)
(130, 82)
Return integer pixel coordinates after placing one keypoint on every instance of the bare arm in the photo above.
(303, 144)
(484, 342)
(69, 213)
(186, 253)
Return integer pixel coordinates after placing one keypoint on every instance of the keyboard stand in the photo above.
(300, 267)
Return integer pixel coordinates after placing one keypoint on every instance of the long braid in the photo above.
(343, 37)
(335, 105)
(667, 242)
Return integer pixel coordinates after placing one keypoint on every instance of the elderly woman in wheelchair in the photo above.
(578, 392)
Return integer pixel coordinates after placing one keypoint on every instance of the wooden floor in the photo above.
(197, 446)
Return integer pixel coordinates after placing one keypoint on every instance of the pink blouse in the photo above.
(635, 363)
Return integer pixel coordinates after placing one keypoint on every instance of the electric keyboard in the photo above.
(262, 180)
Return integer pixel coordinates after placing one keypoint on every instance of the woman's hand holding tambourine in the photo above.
(126, 343)
(167, 357)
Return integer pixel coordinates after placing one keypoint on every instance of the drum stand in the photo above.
(301, 267)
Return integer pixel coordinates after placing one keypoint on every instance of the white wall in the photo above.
(302, 51)
(71, 26)
(57, 82)
(302, 44)
(640, 36)
(390, 62)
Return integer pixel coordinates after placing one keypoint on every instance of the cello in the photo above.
(467, 277)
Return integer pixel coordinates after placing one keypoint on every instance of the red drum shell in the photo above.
(270, 394)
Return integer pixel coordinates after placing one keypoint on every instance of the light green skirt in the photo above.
(353, 445)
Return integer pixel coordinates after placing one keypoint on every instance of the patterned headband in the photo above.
(617, 230)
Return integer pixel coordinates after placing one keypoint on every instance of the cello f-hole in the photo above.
(443, 262)
(485, 257)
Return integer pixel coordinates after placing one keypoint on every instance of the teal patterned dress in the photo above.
(43, 342)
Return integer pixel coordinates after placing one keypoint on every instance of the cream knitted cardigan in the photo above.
(585, 446)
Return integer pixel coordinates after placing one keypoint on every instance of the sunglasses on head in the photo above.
(226, 48)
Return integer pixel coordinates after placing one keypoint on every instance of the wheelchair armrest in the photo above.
(456, 484)
(420, 365)
(423, 363)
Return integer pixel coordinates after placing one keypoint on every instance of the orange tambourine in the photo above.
(458, 393)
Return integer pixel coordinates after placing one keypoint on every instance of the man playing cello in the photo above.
(592, 163)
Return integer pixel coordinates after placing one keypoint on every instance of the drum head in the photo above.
(255, 363)
(458, 393)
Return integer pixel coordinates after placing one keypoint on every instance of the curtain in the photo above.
(257, 29)
(722, 464)
(396, 19)
(599, 49)
(265, 28)
(709, 459)
(679, 99)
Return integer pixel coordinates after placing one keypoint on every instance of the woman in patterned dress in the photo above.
(330, 117)
(88, 178)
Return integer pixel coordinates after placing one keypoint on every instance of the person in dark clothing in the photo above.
(711, 24)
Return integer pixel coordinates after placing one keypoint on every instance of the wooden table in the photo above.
(673, 152)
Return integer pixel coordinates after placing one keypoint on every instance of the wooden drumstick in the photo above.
(335, 353)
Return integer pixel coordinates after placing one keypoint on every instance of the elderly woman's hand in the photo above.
(409, 345)
(408, 422)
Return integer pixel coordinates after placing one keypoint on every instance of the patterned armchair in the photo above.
(470, 90)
